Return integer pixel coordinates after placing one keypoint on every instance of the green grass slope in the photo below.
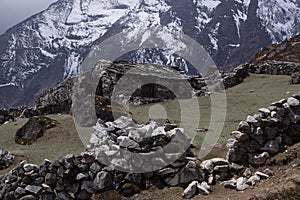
(240, 103)
(64, 138)
(56, 142)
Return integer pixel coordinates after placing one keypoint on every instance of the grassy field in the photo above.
(56, 142)
(64, 138)
(240, 103)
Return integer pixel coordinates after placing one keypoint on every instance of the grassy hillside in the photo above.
(56, 142)
(240, 103)
(287, 51)
(64, 138)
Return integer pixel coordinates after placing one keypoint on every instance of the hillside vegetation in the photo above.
(64, 138)
(56, 142)
(287, 51)
(255, 92)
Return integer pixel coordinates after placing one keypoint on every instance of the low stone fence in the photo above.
(6, 115)
(274, 68)
(88, 174)
(267, 133)
(6, 159)
(101, 167)
(11, 114)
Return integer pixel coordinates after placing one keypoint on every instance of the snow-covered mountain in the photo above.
(50, 46)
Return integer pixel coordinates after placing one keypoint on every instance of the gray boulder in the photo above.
(271, 147)
(253, 180)
(293, 102)
(33, 189)
(244, 127)
(191, 190)
(258, 159)
(238, 155)
(241, 184)
(103, 180)
(187, 174)
(33, 129)
(240, 136)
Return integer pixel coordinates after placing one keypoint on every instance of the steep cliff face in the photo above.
(50, 46)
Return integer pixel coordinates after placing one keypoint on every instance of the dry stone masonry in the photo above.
(267, 133)
(159, 144)
(6, 159)
(258, 138)
(59, 99)
(274, 68)
(6, 115)
(86, 175)
(237, 75)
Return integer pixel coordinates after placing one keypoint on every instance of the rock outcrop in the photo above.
(287, 51)
(57, 99)
(33, 129)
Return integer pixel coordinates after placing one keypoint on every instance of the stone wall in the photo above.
(96, 170)
(267, 133)
(5, 115)
(235, 77)
(87, 175)
(6, 159)
(274, 68)
(58, 99)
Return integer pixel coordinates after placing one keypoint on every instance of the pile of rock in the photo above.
(6, 159)
(96, 170)
(126, 145)
(247, 179)
(267, 133)
(81, 177)
(115, 141)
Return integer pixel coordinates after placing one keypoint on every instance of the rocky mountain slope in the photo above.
(50, 46)
(287, 51)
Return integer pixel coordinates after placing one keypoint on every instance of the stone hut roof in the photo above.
(159, 71)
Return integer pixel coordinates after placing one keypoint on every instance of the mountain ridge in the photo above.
(48, 47)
